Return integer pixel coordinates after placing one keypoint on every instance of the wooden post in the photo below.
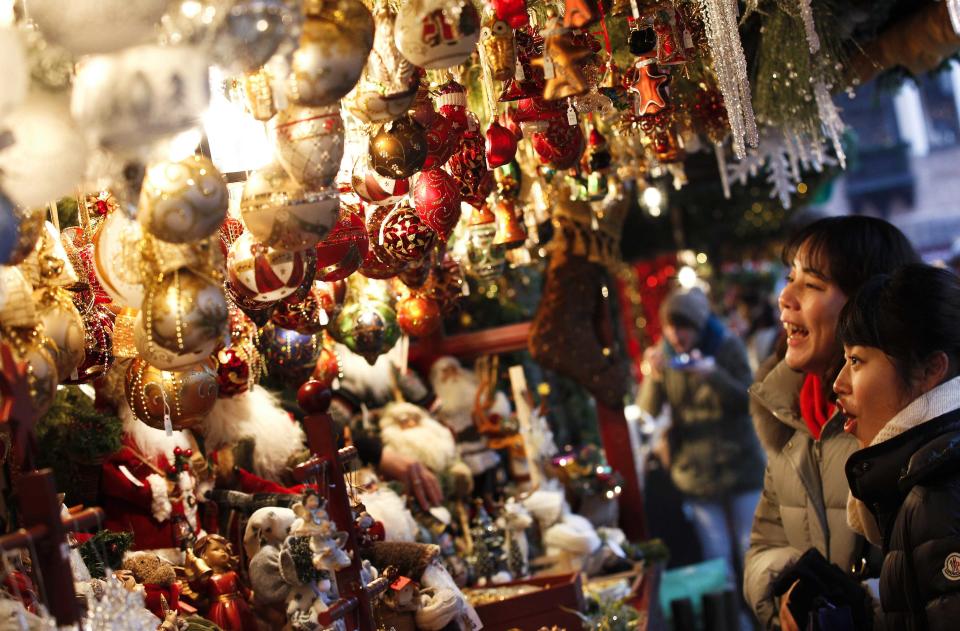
(39, 507)
(322, 441)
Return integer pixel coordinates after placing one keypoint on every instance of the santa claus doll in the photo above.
(151, 487)
(456, 390)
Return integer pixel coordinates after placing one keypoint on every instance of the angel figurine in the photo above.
(229, 608)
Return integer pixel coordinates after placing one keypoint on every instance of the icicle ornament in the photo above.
(723, 36)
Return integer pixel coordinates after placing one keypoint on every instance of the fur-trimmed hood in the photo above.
(774, 404)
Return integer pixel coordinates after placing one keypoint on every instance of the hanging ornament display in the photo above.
(374, 188)
(181, 399)
(560, 145)
(184, 201)
(501, 145)
(289, 355)
(249, 33)
(436, 198)
(511, 232)
(446, 284)
(528, 80)
(128, 101)
(343, 250)
(497, 45)
(156, 355)
(48, 264)
(665, 141)
(127, 25)
(259, 276)
(399, 149)
(185, 312)
(282, 214)
(437, 34)
(389, 82)
(469, 167)
(381, 263)
(416, 274)
(48, 156)
(309, 144)
(533, 114)
(336, 39)
(368, 327)
(452, 104)
(418, 316)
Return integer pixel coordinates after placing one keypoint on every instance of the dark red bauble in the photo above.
(327, 368)
(560, 145)
(501, 145)
(513, 12)
(534, 109)
(233, 372)
(443, 140)
(404, 235)
(469, 168)
(436, 197)
(342, 251)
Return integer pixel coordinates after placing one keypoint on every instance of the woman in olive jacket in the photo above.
(900, 393)
(803, 504)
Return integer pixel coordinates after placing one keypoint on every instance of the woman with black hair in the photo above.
(803, 504)
(899, 392)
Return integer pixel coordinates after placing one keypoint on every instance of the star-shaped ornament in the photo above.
(650, 88)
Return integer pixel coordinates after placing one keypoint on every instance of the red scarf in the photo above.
(815, 408)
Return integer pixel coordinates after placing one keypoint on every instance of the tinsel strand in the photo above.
(806, 14)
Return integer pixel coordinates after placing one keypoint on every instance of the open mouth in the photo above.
(795, 332)
(849, 420)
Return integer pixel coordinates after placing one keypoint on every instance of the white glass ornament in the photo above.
(87, 27)
(48, 157)
(127, 101)
(437, 34)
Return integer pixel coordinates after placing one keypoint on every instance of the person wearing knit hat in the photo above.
(700, 369)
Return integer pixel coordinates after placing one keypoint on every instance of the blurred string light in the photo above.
(687, 277)
(652, 200)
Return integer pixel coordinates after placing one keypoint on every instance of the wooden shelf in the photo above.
(502, 339)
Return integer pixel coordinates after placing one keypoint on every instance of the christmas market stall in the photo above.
(314, 314)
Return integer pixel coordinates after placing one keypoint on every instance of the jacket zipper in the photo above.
(818, 452)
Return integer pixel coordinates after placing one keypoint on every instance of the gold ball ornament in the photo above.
(183, 201)
(185, 396)
(309, 143)
(399, 149)
(336, 40)
(160, 357)
(63, 324)
(185, 311)
(283, 215)
(436, 34)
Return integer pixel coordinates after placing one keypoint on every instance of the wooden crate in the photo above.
(554, 604)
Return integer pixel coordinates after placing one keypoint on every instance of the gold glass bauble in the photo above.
(333, 50)
(63, 324)
(37, 352)
(399, 149)
(184, 312)
(283, 215)
(162, 358)
(187, 396)
(183, 201)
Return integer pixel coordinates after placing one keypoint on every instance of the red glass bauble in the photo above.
(501, 145)
(469, 168)
(343, 250)
(233, 372)
(404, 235)
(560, 145)
(443, 140)
(436, 197)
(513, 12)
(418, 316)
(374, 188)
(314, 398)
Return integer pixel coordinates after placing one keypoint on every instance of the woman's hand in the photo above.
(787, 623)
(653, 361)
(418, 479)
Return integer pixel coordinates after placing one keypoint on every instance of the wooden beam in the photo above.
(502, 339)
